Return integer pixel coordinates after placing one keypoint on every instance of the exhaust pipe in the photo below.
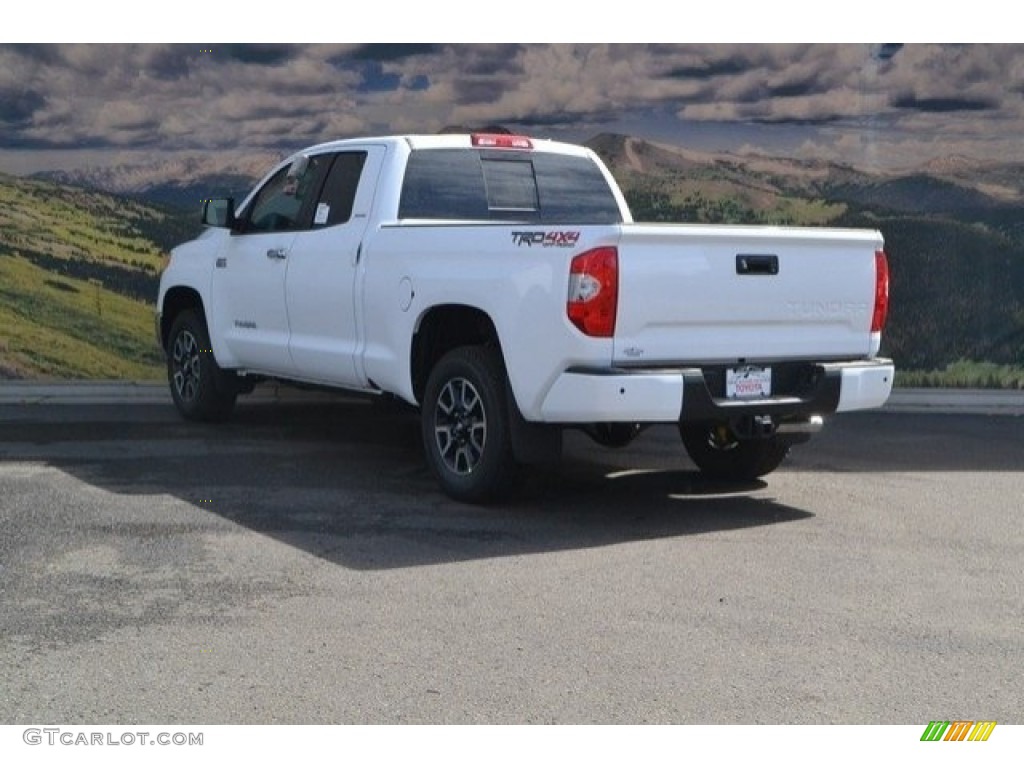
(812, 426)
(764, 427)
(794, 432)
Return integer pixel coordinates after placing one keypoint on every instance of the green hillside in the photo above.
(956, 293)
(78, 278)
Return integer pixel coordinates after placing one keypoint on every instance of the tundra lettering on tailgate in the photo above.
(546, 239)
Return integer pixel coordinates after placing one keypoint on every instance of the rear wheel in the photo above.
(613, 434)
(465, 425)
(719, 454)
(198, 385)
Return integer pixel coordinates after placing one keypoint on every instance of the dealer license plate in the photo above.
(748, 382)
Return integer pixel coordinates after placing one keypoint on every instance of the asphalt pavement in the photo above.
(297, 564)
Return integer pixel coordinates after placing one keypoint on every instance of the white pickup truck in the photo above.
(498, 283)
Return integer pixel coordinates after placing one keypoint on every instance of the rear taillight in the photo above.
(500, 141)
(881, 292)
(594, 291)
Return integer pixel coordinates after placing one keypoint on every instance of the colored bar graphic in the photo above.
(982, 730)
(958, 730)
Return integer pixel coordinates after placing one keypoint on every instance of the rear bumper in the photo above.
(692, 394)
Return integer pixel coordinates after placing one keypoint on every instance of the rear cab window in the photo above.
(504, 185)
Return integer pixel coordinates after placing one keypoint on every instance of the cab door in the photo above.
(321, 283)
(248, 286)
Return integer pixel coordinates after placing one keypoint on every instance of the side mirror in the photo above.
(298, 166)
(219, 212)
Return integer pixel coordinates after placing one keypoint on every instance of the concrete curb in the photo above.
(952, 401)
(82, 392)
(991, 402)
(131, 393)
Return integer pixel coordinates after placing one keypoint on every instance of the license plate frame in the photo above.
(750, 382)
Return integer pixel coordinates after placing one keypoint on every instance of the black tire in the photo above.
(199, 387)
(719, 455)
(465, 425)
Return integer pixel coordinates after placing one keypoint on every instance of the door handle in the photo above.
(757, 264)
(277, 253)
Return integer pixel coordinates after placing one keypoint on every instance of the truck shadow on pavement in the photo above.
(347, 483)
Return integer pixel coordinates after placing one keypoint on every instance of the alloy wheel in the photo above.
(460, 426)
(186, 365)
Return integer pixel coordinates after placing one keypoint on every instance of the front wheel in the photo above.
(719, 454)
(465, 425)
(196, 380)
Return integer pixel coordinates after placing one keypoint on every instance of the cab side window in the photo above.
(339, 192)
(286, 201)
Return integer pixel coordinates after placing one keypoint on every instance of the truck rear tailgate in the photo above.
(698, 294)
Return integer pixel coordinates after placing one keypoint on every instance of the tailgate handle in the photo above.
(757, 264)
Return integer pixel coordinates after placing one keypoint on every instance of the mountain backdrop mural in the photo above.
(80, 252)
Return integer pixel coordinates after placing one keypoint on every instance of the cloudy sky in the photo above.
(873, 105)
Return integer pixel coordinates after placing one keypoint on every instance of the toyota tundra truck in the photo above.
(498, 283)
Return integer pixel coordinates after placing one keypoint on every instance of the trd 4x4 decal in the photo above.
(546, 239)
